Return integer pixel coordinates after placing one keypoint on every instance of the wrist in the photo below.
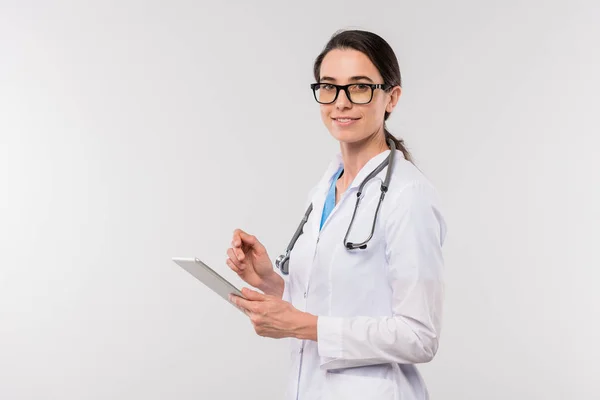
(273, 285)
(306, 326)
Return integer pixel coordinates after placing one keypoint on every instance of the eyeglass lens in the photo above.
(359, 94)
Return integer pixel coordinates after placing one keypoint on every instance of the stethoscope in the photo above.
(282, 262)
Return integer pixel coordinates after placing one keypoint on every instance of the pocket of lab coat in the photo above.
(345, 386)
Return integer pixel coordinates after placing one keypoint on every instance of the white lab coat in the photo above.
(379, 309)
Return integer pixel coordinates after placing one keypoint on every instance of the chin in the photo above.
(345, 136)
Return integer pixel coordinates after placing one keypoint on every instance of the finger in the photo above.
(253, 295)
(241, 237)
(239, 253)
(237, 238)
(235, 241)
(232, 266)
(232, 255)
(247, 238)
(233, 300)
(248, 305)
(234, 258)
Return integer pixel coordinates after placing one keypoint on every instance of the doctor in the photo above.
(363, 298)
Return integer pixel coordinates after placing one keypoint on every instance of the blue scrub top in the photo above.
(330, 200)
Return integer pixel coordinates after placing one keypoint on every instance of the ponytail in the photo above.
(399, 144)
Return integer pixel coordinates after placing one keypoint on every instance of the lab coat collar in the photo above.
(319, 196)
(338, 162)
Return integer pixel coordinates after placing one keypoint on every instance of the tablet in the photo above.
(209, 277)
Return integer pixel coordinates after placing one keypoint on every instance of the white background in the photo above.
(132, 132)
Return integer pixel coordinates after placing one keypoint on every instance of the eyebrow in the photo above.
(354, 78)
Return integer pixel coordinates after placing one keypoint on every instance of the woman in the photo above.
(360, 317)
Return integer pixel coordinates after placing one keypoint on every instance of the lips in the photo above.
(344, 119)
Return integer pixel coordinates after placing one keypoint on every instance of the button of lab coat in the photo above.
(305, 294)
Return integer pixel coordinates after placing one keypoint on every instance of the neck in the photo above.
(356, 155)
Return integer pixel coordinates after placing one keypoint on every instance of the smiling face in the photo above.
(348, 122)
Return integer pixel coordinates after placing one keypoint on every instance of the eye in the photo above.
(328, 87)
(360, 87)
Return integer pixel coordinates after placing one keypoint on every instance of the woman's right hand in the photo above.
(249, 259)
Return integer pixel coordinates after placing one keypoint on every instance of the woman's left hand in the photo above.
(276, 318)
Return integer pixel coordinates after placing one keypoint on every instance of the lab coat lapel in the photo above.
(320, 195)
(318, 201)
(369, 167)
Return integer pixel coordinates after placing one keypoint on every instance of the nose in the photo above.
(342, 101)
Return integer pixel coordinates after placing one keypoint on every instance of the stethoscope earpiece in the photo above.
(350, 246)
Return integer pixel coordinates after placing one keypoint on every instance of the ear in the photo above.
(395, 94)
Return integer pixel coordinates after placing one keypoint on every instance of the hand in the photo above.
(249, 259)
(276, 318)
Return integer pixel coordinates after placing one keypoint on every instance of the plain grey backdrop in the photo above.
(135, 131)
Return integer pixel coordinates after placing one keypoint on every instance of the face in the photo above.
(348, 122)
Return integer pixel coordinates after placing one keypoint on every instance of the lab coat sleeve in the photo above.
(415, 232)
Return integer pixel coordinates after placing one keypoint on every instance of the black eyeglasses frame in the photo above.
(373, 86)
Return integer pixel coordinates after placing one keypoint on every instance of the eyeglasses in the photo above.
(357, 93)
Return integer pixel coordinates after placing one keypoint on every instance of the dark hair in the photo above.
(381, 55)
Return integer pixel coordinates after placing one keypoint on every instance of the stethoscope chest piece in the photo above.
(282, 263)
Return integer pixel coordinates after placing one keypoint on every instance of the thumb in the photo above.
(253, 294)
(247, 238)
